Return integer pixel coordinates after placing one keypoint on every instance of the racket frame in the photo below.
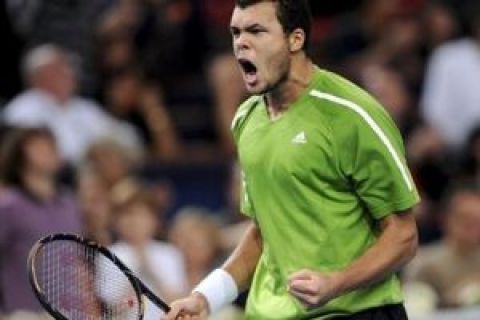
(139, 287)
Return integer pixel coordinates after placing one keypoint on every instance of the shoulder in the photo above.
(460, 46)
(29, 96)
(344, 102)
(10, 197)
(11, 203)
(243, 112)
(26, 106)
(463, 49)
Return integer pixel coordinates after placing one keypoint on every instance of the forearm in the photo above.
(395, 247)
(242, 262)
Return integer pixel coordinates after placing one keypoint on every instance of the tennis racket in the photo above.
(78, 279)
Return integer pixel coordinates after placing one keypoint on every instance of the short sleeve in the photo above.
(373, 160)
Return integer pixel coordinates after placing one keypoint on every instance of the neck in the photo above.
(280, 98)
(40, 185)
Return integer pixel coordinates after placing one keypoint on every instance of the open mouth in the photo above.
(249, 70)
(247, 66)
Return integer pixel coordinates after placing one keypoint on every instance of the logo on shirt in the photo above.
(300, 138)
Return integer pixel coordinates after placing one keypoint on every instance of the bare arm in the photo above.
(242, 262)
(396, 246)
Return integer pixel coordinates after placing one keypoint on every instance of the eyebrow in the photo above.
(248, 27)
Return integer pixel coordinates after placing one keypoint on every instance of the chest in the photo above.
(297, 146)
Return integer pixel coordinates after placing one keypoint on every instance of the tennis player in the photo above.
(326, 185)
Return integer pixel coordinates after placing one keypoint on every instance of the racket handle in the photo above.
(152, 297)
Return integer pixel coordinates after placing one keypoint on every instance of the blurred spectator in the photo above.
(112, 163)
(452, 85)
(355, 31)
(470, 168)
(33, 206)
(430, 160)
(432, 169)
(197, 234)
(51, 101)
(397, 46)
(159, 264)
(451, 268)
(116, 168)
(130, 99)
(228, 92)
(234, 222)
(114, 43)
(167, 39)
(391, 91)
(68, 23)
(439, 23)
(96, 207)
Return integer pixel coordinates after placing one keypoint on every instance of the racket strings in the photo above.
(83, 284)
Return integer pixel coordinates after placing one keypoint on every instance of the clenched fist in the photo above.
(193, 307)
(313, 289)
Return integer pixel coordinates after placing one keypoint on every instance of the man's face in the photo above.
(58, 77)
(260, 46)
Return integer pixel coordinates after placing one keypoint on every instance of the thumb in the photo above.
(302, 274)
(301, 285)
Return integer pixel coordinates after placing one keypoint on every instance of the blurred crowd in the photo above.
(115, 123)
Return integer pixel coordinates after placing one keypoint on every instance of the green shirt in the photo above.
(316, 181)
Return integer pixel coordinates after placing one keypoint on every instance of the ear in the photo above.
(296, 39)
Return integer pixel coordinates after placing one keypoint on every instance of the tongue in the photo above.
(250, 77)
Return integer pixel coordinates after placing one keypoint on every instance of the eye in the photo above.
(256, 31)
(235, 32)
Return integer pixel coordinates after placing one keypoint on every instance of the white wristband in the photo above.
(219, 288)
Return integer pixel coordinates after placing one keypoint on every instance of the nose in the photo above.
(241, 42)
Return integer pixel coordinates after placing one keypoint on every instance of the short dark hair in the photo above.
(291, 14)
